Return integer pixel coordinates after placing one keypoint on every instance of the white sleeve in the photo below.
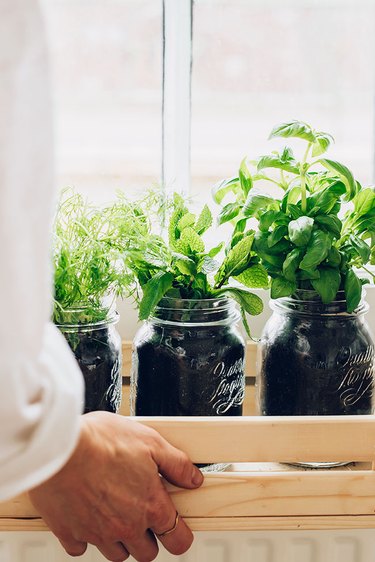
(41, 387)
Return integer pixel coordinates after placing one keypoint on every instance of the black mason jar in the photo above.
(315, 358)
(97, 349)
(188, 360)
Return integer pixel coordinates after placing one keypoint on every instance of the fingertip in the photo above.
(197, 477)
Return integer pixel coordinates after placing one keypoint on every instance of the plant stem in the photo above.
(303, 178)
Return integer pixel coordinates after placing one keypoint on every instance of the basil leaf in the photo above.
(308, 274)
(291, 264)
(257, 202)
(153, 292)
(281, 287)
(295, 212)
(317, 250)
(204, 221)
(291, 197)
(221, 189)
(344, 174)
(324, 201)
(321, 143)
(228, 212)
(334, 257)
(328, 283)
(361, 247)
(274, 255)
(255, 276)
(331, 223)
(353, 290)
(276, 235)
(300, 230)
(364, 201)
(286, 163)
(245, 177)
(296, 129)
(267, 219)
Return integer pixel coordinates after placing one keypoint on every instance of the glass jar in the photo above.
(97, 349)
(315, 359)
(188, 360)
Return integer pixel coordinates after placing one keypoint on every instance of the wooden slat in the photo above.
(234, 523)
(269, 439)
(281, 497)
(255, 494)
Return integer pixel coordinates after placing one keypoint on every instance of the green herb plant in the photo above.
(89, 271)
(180, 266)
(318, 232)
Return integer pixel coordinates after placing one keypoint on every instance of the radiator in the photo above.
(233, 546)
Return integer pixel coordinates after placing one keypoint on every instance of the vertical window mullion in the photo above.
(176, 114)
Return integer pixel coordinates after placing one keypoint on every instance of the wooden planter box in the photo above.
(261, 493)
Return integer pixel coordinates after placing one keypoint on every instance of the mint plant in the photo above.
(182, 267)
(321, 228)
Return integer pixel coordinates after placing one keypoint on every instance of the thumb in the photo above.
(176, 467)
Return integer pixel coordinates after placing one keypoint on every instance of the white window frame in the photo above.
(176, 111)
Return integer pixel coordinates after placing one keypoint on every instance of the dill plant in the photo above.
(89, 272)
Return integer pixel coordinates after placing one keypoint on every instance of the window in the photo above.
(227, 72)
(257, 63)
(106, 58)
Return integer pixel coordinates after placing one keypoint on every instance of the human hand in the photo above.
(110, 493)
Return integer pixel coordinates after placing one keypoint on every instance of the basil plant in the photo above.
(318, 232)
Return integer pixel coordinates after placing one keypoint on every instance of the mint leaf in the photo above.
(188, 219)
(216, 250)
(185, 265)
(296, 129)
(328, 283)
(255, 276)
(208, 265)
(204, 221)
(190, 242)
(300, 230)
(153, 292)
(250, 302)
(238, 256)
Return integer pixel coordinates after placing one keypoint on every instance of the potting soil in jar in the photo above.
(188, 360)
